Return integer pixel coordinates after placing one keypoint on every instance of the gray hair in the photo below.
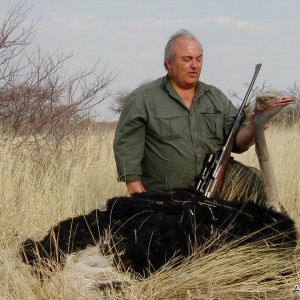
(169, 50)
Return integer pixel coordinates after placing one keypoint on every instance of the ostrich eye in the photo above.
(264, 99)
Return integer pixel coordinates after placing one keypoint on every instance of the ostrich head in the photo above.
(267, 105)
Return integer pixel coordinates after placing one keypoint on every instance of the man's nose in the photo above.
(193, 63)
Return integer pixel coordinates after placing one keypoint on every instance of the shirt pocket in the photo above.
(211, 122)
(169, 126)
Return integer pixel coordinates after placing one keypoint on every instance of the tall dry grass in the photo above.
(39, 187)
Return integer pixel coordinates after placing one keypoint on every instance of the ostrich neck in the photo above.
(266, 166)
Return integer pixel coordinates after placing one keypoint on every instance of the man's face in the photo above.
(185, 68)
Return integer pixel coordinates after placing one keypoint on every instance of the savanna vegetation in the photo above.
(57, 162)
(40, 188)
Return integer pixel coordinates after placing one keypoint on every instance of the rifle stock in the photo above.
(211, 177)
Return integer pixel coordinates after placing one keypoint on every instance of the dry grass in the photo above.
(40, 188)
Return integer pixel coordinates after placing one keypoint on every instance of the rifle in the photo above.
(211, 177)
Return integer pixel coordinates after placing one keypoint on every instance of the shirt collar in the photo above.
(201, 88)
(169, 87)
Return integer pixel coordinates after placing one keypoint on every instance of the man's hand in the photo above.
(135, 187)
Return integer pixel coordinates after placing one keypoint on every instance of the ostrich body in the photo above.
(149, 229)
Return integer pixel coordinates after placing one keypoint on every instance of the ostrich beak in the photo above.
(283, 101)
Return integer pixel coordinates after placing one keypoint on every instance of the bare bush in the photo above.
(291, 114)
(120, 98)
(119, 101)
(36, 95)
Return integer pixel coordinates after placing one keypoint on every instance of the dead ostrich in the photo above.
(147, 230)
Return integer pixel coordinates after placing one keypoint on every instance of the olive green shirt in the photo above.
(162, 142)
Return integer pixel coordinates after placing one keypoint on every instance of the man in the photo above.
(167, 126)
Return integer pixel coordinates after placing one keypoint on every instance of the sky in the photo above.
(129, 36)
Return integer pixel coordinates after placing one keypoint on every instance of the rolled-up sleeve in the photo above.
(129, 141)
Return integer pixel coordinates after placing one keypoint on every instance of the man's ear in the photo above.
(168, 64)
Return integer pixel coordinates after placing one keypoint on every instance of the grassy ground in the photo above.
(40, 187)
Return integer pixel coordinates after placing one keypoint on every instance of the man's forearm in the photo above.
(245, 136)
